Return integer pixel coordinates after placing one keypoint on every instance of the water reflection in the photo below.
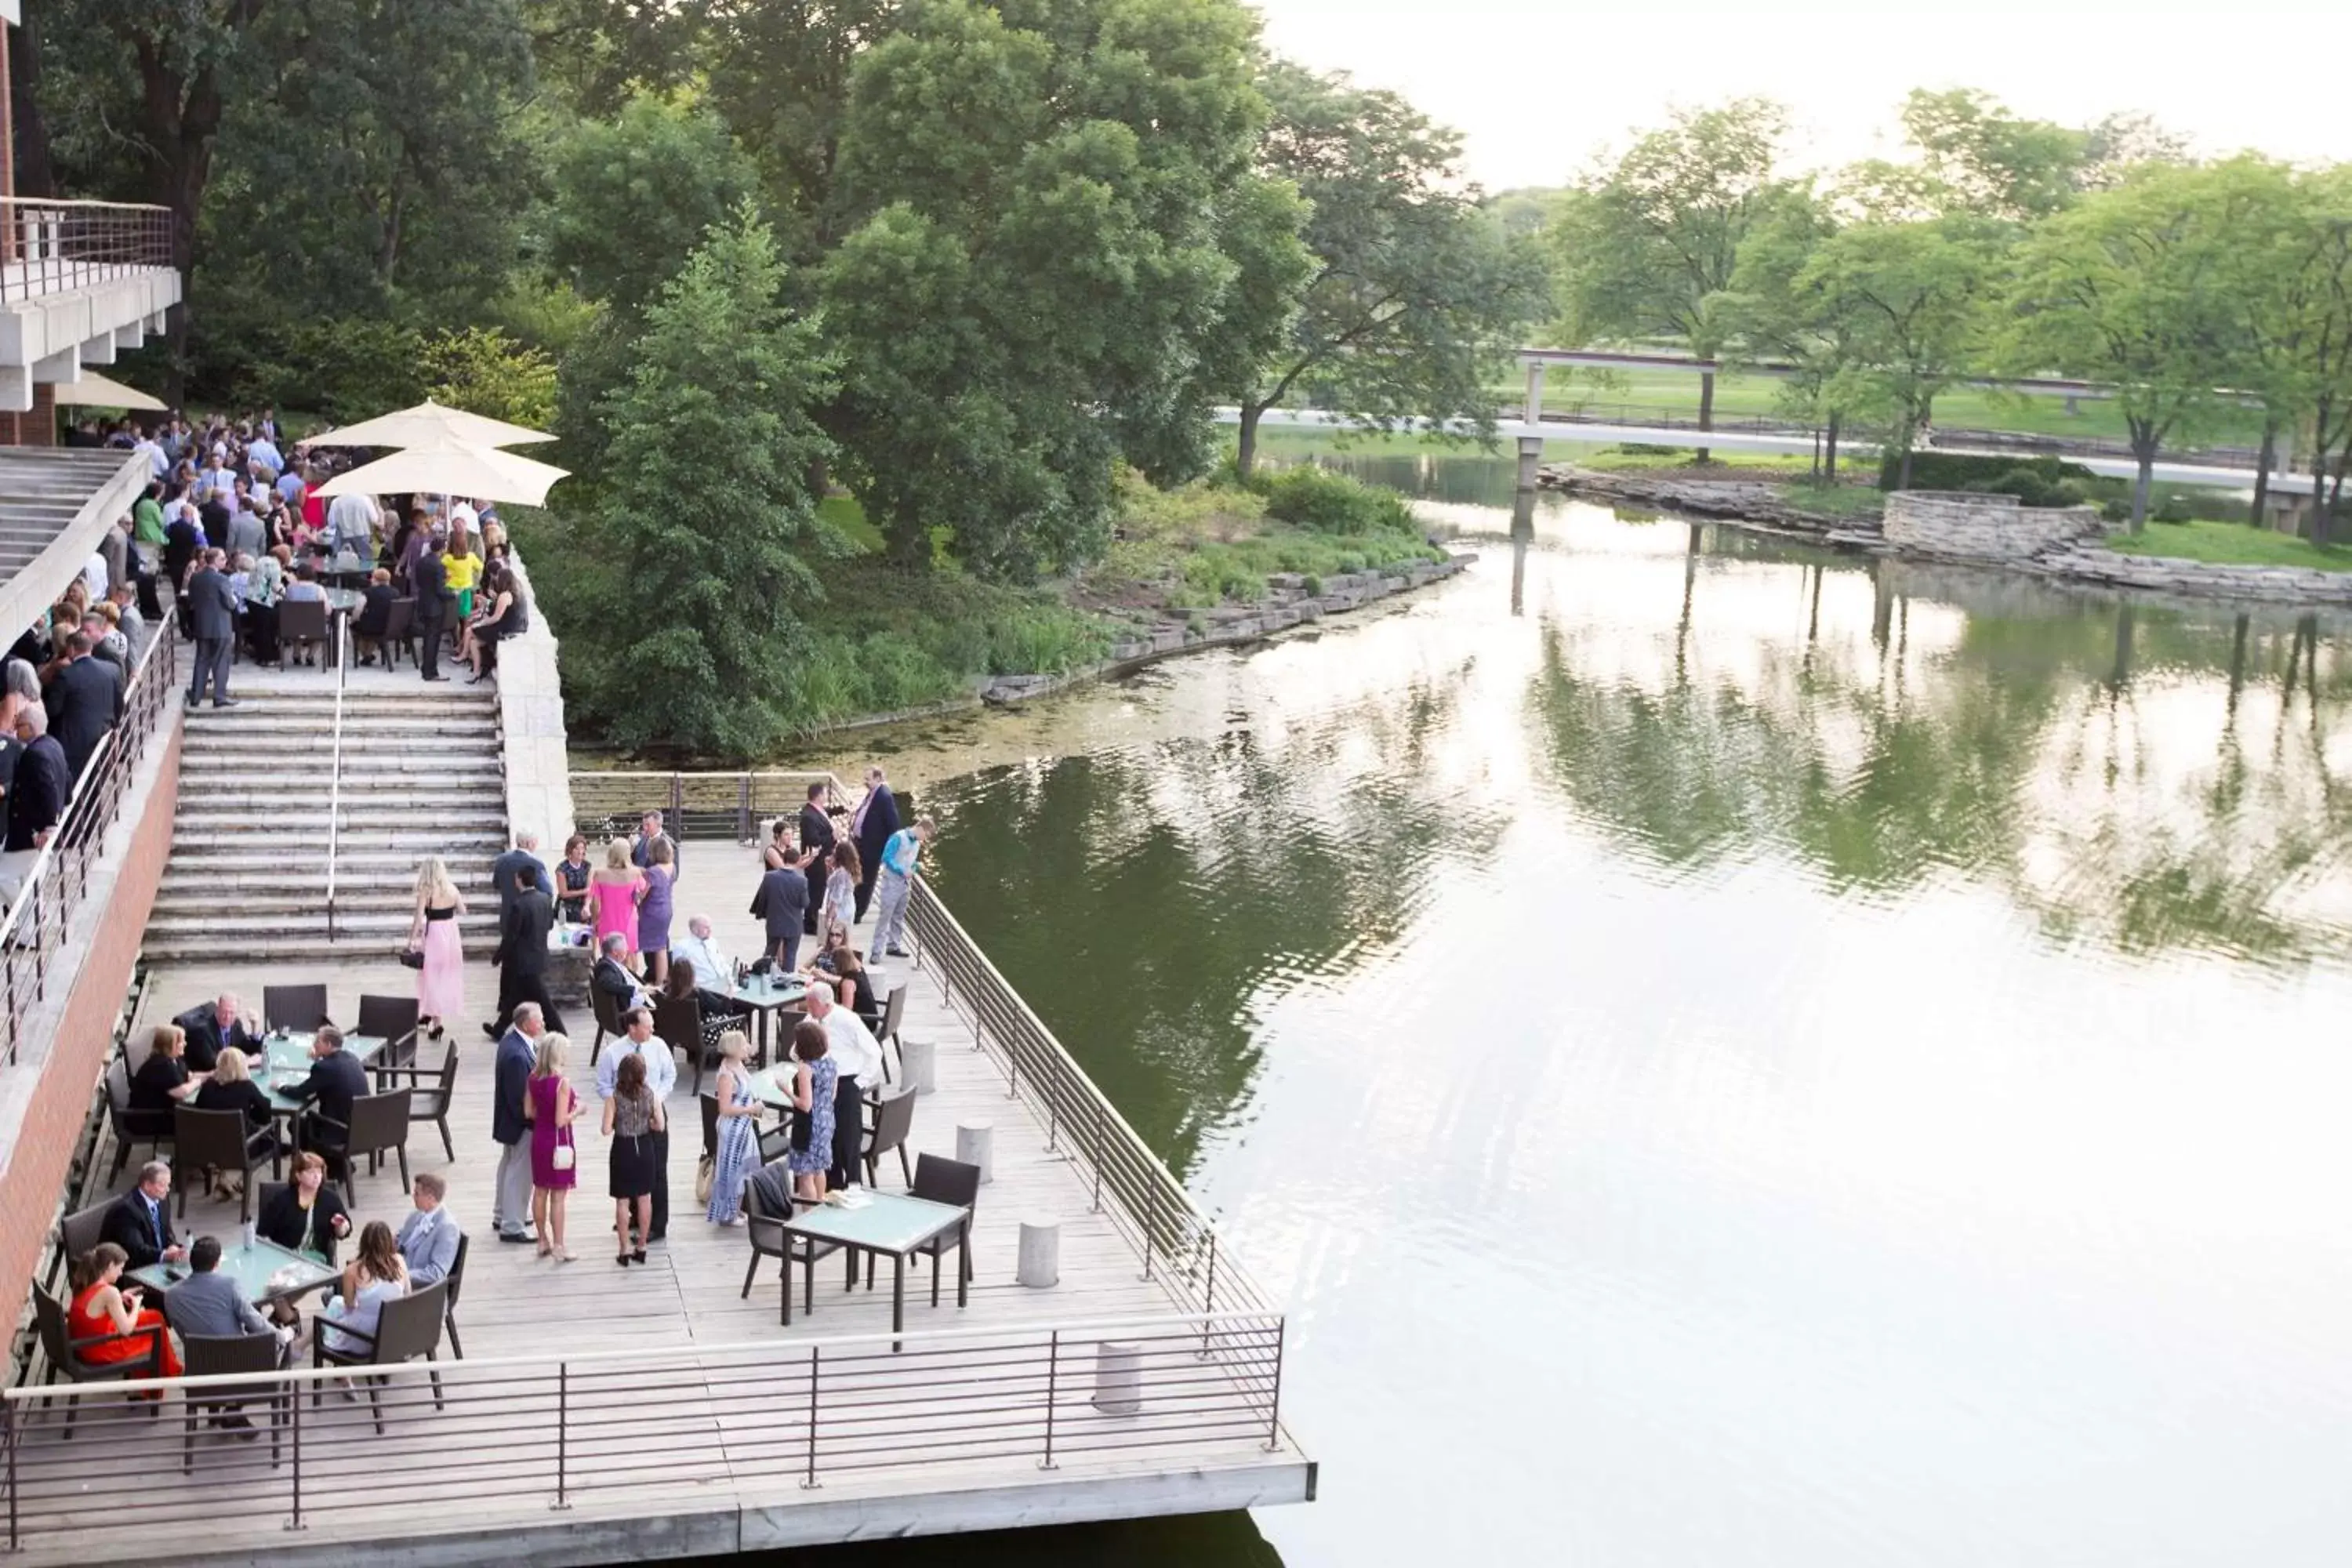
(1732, 1052)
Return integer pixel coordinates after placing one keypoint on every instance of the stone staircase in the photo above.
(423, 775)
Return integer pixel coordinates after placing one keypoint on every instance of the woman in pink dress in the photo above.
(441, 982)
(615, 889)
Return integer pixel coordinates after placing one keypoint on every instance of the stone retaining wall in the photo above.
(2278, 584)
(1966, 526)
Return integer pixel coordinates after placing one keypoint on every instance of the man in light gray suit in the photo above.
(211, 1304)
(429, 1236)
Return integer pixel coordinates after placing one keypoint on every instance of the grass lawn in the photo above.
(2231, 545)
(847, 516)
(1963, 408)
(1618, 460)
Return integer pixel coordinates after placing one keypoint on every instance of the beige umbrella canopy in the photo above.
(429, 425)
(98, 392)
(453, 469)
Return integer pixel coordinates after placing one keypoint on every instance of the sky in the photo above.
(1537, 87)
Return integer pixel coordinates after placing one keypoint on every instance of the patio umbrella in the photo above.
(98, 392)
(429, 425)
(453, 469)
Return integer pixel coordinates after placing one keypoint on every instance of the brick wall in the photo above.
(38, 1164)
(39, 426)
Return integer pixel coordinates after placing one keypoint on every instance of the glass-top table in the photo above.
(264, 1271)
(890, 1225)
(289, 1064)
(766, 994)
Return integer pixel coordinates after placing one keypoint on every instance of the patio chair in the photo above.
(407, 1327)
(152, 1128)
(218, 1141)
(392, 1020)
(58, 1343)
(765, 1229)
(885, 1033)
(893, 1118)
(300, 621)
(710, 1124)
(296, 1007)
(399, 633)
(80, 1231)
(608, 1020)
(943, 1181)
(455, 1281)
(434, 1091)
(379, 1125)
(678, 1020)
(213, 1355)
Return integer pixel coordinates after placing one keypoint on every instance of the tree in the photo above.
(2130, 287)
(1907, 304)
(634, 195)
(483, 370)
(1994, 164)
(1644, 245)
(1407, 289)
(703, 531)
(1813, 342)
(1030, 191)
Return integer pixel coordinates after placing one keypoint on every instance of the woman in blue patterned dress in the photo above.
(738, 1154)
(813, 1076)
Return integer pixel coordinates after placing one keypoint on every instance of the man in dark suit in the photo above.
(876, 820)
(649, 834)
(517, 1053)
(522, 857)
(139, 1221)
(214, 1026)
(336, 1079)
(781, 902)
(212, 615)
(84, 699)
(524, 920)
(435, 606)
(37, 791)
(816, 843)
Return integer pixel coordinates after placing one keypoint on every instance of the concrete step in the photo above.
(431, 799)
(246, 859)
(227, 931)
(231, 727)
(296, 763)
(390, 905)
(417, 843)
(309, 947)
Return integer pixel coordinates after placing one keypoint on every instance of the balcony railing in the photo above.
(54, 884)
(51, 246)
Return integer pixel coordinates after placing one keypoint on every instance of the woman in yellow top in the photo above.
(465, 569)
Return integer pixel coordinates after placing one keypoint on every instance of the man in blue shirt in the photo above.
(898, 856)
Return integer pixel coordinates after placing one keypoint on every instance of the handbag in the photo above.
(565, 1157)
(412, 957)
(706, 1171)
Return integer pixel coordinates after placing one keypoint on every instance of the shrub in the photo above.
(2174, 507)
(1314, 497)
(1958, 471)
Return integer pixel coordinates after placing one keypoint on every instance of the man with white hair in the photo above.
(517, 1054)
(37, 799)
(851, 1044)
(714, 970)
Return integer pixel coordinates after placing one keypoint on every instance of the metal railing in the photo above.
(50, 246)
(693, 804)
(335, 772)
(1129, 1182)
(56, 879)
(507, 1439)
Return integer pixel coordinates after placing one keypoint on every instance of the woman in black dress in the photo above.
(162, 1080)
(305, 1214)
(633, 1114)
(231, 1088)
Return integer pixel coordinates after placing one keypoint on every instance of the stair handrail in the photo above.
(335, 773)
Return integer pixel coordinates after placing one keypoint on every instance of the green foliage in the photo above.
(1960, 472)
(484, 371)
(634, 196)
(1409, 289)
(1316, 498)
(345, 368)
(703, 533)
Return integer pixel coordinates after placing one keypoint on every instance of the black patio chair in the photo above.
(678, 1020)
(300, 621)
(435, 1090)
(399, 633)
(379, 1126)
(407, 1327)
(59, 1344)
(79, 1231)
(943, 1181)
(152, 1128)
(455, 1281)
(213, 1355)
(299, 1008)
(894, 1119)
(392, 1020)
(765, 1229)
(218, 1141)
(608, 1009)
(886, 1032)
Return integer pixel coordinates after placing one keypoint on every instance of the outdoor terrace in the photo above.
(604, 1413)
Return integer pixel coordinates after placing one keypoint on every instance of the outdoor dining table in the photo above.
(288, 1063)
(886, 1225)
(346, 567)
(264, 1271)
(765, 996)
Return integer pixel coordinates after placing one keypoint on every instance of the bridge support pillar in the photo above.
(1530, 458)
(1535, 391)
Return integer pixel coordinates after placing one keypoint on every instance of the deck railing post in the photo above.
(1053, 1365)
(1096, 1207)
(1151, 1220)
(562, 1428)
(810, 1482)
(296, 1400)
(8, 1416)
(1209, 1301)
(1273, 1404)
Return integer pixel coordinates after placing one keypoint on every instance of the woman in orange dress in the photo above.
(100, 1307)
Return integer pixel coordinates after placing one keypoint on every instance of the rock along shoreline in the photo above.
(1762, 509)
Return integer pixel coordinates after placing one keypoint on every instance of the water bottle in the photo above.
(249, 1234)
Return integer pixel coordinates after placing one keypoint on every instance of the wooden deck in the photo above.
(728, 1430)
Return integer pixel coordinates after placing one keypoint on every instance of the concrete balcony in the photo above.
(79, 282)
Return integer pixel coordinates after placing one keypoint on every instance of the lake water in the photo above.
(1732, 1053)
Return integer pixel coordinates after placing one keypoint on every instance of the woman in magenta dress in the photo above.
(615, 889)
(441, 980)
(550, 1106)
